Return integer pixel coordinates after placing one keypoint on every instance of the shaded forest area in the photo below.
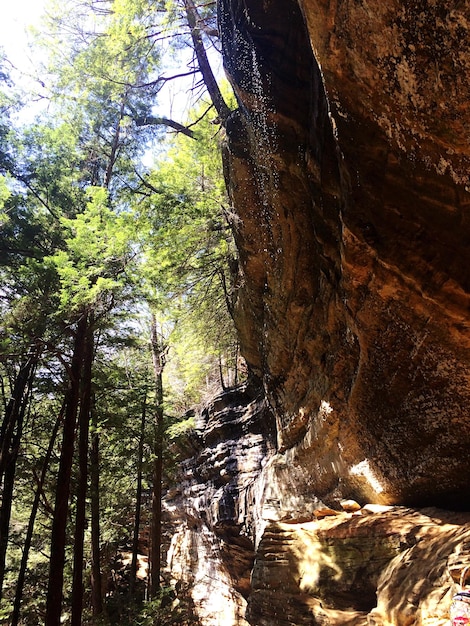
(116, 261)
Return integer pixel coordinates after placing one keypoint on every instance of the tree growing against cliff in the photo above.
(158, 351)
(191, 255)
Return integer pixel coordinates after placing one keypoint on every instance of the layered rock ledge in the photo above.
(253, 552)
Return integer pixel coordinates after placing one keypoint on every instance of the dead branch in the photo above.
(150, 120)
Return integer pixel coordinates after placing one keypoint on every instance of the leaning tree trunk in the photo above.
(13, 409)
(5, 514)
(10, 450)
(203, 62)
(15, 616)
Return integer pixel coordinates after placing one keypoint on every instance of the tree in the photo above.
(191, 256)
(11, 434)
(158, 350)
(196, 30)
(15, 616)
(138, 496)
(59, 524)
(27, 300)
(96, 578)
(83, 438)
(86, 230)
(92, 272)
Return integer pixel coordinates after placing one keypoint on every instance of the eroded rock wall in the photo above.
(347, 165)
(350, 186)
(385, 567)
(252, 552)
(214, 513)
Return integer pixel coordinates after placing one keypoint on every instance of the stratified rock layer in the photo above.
(252, 552)
(353, 232)
(214, 511)
(387, 568)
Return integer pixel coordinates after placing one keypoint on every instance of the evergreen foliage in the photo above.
(96, 246)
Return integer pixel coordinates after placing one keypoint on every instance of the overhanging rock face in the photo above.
(351, 188)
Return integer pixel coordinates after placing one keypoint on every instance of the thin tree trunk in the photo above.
(156, 538)
(80, 516)
(5, 509)
(236, 365)
(5, 513)
(138, 503)
(32, 518)
(115, 144)
(59, 522)
(96, 588)
(13, 409)
(158, 357)
(11, 456)
(221, 374)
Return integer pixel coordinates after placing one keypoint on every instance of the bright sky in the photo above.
(16, 16)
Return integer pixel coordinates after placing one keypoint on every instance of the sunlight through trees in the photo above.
(117, 287)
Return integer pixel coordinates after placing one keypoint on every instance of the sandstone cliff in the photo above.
(347, 163)
(253, 552)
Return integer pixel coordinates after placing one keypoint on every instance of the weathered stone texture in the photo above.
(353, 232)
(379, 569)
(255, 549)
(213, 512)
(351, 193)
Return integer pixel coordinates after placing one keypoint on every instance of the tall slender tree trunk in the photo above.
(5, 514)
(83, 437)
(13, 409)
(10, 456)
(32, 518)
(138, 499)
(156, 529)
(96, 583)
(158, 358)
(221, 374)
(59, 522)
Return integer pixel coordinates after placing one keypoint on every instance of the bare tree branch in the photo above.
(146, 184)
(150, 120)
